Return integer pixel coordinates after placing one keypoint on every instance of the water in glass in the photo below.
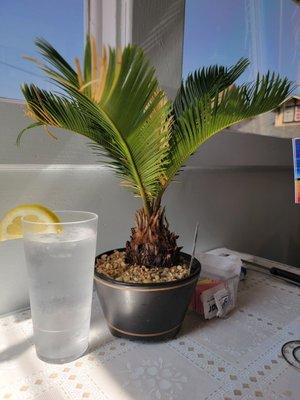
(60, 270)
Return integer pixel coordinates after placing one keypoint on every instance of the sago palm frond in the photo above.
(201, 110)
(207, 81)
(114, 101)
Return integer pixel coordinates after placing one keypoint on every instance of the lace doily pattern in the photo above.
(237, 358)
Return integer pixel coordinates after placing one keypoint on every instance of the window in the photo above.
(58, 21)
(267, 32)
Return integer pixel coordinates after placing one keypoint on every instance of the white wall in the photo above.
(238, 186)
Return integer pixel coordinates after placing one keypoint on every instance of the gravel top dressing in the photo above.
(114, 266)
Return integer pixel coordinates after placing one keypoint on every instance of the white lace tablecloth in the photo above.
(236, 358)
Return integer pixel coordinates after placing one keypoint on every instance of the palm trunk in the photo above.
(152, 244)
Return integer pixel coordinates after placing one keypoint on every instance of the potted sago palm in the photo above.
(114, 99)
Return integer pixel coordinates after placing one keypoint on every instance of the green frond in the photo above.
(49, 109)
(62, 72)
(215, 111)
(28, 128)
(207, 81)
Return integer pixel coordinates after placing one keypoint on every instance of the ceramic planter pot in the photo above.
(146, 312)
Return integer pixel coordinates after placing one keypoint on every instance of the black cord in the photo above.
(294, 362)
(294, 354)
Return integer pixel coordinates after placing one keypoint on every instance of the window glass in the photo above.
(21, 21)
(267, 32)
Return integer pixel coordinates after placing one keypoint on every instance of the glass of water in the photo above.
(60, 263)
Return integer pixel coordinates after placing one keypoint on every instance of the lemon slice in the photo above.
(11, 223)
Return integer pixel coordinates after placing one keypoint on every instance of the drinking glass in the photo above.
(60, 263)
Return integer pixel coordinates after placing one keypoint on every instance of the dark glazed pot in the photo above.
(146, 312)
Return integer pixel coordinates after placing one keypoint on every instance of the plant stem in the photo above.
(146, 205)
(157, 203)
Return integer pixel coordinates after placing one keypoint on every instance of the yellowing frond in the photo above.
(79, 73)
(94, 66)
(50, 133)
(30, 114)
(102, 73)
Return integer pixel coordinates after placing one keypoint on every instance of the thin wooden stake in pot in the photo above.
(194, 246)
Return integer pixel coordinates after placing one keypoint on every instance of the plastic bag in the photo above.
(216, 291)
